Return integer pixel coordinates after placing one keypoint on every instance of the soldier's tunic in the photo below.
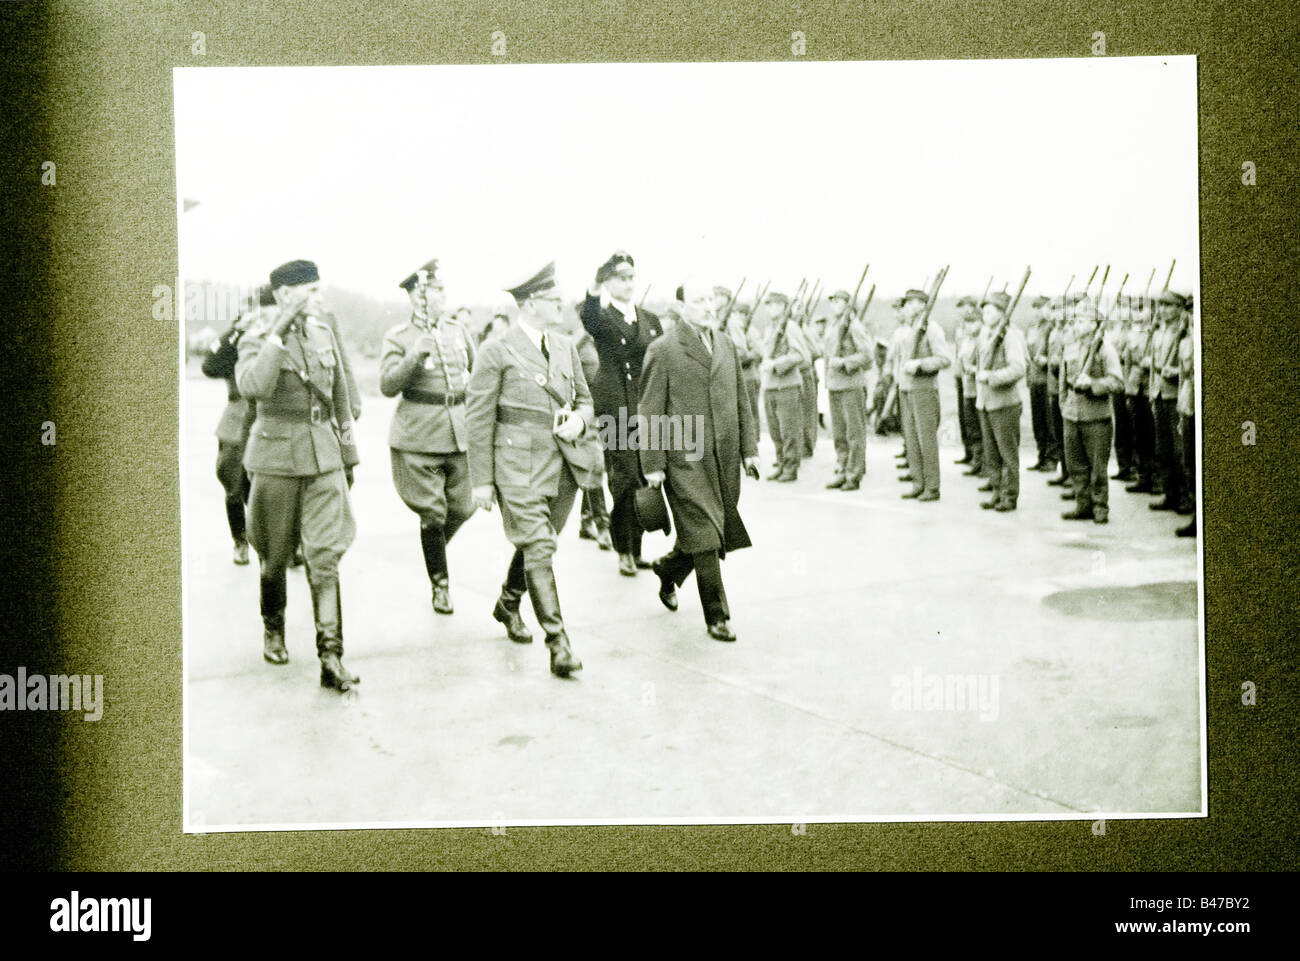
(846, 384)
(999, 405)
(1087, 420)
(232, 428)
(428, 438)
(921, 408)
(354, 395)
(1163, 392)
(510, 417)
(784, 352)
(1036, 377)
(1136, 377)
(296, 456)
(968, 363)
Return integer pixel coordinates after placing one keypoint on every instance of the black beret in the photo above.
(409, 281)
(293, 273)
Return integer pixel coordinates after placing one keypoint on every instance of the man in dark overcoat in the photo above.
(621, 332)
(692, 377)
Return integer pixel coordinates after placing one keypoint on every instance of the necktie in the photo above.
(706, 335)
(545, 352)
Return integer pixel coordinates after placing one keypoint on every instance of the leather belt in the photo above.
(313, 415)
(433, 397)
(523, 417)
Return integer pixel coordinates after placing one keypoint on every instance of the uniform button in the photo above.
(629, 376)
(509, 442)
(624, 340)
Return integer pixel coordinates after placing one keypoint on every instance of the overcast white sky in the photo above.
(771, 170)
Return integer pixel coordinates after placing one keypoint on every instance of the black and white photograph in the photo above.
(690, 443)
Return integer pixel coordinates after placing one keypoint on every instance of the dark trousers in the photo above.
(970, 417)
(1167, 454)
(785, 422)
(809, 400)
(1123, 433)
(1001, 429)
(234, 481)
(1057, 423)
(1040, 417)
(624, 528)
(752, 391)
(594, 509)
(1087, 456)
(1187, 444)
(676, 565)
(1144, 435)
(962, 425)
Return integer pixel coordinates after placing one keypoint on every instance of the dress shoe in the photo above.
(929, 496)
(627, 565)
(1067, 495)
(904, 478)
(642, 564)
(1187, 530)
(1039, 467)
(273, 649)
(506, 612)
(1058, 482)
(975, 471)
(1003, 506)
(1185, 509)
(836, 484)
(721, 631)
(962, 460)
(1078, 514)
(602, 539)
(989, 505)
(442, 596)
(241, 553)
(1100, 515)
(851, 485)
(563, 661)
(1164, 505)
(1124, 475)
(911, 495)
(1141, 487)
(667, 589)
(334, 675)
(985, 487)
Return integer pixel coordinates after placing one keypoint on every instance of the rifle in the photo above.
(808, 305)
(858, 289)
(929, 306)
(645, 295)
(1001, 333)
(986, 289)
(1091, 278)
(783, 320)
(1095, 338)
(1151, 334)
(1147, 293)
(731, 302)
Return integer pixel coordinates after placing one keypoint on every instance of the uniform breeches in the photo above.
(314, 511)
(533, 520)
(434, 486)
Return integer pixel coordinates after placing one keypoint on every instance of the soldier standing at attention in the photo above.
(959, 381)
(1136, 377)
(1163, 391)
(1036, 376)
(1057, 335)
(427, 362)
(922, 359)
(299, 448)
(236, 419)
(847, 350)
(533, 445)
(1187, 417)
(1118, 325)
(1000, 363)
(969, 328)
(621, 333)
(1088, 377)
(784, 352)
(812, 337)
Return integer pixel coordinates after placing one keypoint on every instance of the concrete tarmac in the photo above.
(895, 660)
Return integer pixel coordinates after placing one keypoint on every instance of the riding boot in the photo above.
(272, 602)
(433, 541)
(506, 610)
(327, 605)
(546, 605)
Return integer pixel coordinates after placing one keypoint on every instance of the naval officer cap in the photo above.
(431, 268)
(544, 279)
(620, 263)
(999, 299)
(294, 273)
(914, 294)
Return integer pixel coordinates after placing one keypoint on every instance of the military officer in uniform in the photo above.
(1001, 359)
(920, 361)
(784, 354)
(1088, 377)
(533, 445)
(1040, 415)
(299, 449)
(236, 420)
(426, 361)
(1187, 416)
(847, 349)
(1162, 359)
(621, 333)
(694, 374)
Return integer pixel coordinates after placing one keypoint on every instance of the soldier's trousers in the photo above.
(1167, 459)
(677, 565)
(434, 486)
(1087, 455)
(809, 402)
(234, 481)
(962, 424)
(1040, 418)
(315, 511)
(970, 416)
(1057, 423)
(1144, 435)
(1187, 445)
(921, 436)
(1001, 429)
(533, 520)
(785, 422)
(849, 430)
(1123, 433)
(753, 387)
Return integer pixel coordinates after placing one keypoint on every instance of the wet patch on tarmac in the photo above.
(1162, 601)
